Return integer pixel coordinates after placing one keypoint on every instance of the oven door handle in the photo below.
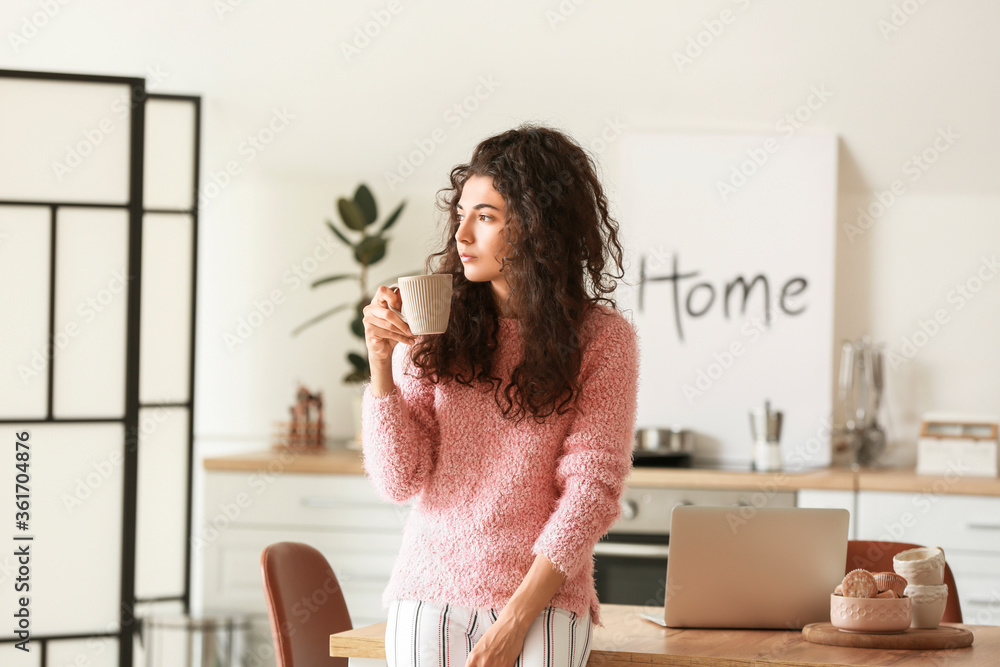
(631, 550)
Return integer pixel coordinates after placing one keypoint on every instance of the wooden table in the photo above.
(629, 640)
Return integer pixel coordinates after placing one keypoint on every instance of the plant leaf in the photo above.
(359, 362)
(330, 279)
(351, 215)
(358, 324)
(339, 235)
(370, 250)
(358, 328)
(357, 377)
(318, 318)
(392, 217)
(366, 202)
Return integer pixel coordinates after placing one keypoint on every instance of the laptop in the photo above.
(746, 567)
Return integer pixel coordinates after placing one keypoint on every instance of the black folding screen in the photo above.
(98, 256)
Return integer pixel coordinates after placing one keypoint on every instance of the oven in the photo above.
(630, 561)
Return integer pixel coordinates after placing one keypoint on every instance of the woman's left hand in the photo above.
(499, 646)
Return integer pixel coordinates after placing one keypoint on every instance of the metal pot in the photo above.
(665, 440)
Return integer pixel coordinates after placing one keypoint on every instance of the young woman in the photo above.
(513, 430)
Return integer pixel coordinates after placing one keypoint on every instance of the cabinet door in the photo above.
(283, 500)
(830, 500)
(966, 527)
(970, 523)
(977, 578)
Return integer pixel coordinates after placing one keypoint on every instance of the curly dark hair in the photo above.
(559, 233)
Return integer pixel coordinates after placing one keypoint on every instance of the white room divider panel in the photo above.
(71, 139)
(23, 380)
(167, 272)
(98, 255)
(91, 269)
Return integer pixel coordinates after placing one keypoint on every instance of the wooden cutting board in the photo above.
(942, 637)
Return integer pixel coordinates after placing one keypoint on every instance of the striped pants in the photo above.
(429, 634)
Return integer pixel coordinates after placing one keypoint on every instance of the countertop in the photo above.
(343, 461)
(628, 639)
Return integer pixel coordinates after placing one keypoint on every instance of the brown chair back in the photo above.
(304, 603)
(876, 556)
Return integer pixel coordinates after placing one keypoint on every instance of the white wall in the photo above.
(606, 65)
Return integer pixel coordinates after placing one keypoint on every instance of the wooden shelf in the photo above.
(343, 461)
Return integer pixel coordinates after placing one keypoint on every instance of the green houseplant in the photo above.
(358, 215)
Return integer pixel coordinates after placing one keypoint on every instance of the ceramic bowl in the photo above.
(870, 614)
(921, 566)
(928, 604)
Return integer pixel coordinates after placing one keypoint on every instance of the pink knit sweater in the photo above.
(490, 495)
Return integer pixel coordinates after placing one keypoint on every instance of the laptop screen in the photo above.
(739, 567)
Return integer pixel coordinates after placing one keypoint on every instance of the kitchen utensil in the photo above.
(875, 433)
(765, 426)
(663, 447)
(862, 440)
(665, 440)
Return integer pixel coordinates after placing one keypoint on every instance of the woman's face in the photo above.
(481, 216)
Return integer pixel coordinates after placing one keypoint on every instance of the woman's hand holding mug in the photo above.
(384, 326)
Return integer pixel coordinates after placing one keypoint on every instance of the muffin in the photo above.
(859, 584)
(890, 581)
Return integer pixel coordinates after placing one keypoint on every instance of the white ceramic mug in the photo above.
(922, 566)
(426, 302)
(927, 604)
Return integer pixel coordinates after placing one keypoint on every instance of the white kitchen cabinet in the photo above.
(966, 527)
(825, 499)
(340, 515)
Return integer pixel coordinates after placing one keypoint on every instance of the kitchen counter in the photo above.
(331, 461)
(628, 639)
(342, 461)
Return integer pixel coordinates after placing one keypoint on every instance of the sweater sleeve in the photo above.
(597, 452)
(399, 432)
